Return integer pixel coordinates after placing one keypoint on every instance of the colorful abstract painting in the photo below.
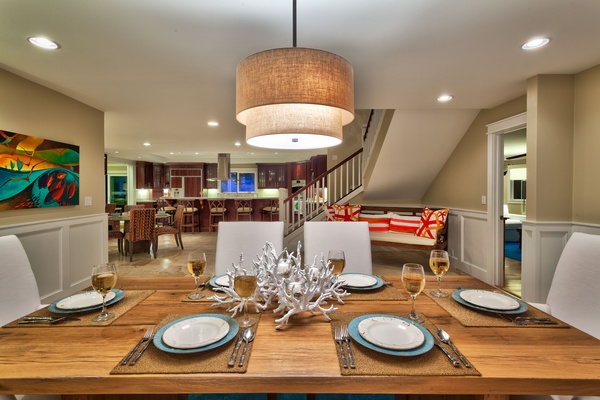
(36, 172)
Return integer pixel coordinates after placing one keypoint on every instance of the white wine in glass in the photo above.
(440, 264)
(244, 285)
(337, 259)
(196, 266)
(104, 279)
(413, 279)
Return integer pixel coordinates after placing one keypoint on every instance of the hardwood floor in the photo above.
(512, 276)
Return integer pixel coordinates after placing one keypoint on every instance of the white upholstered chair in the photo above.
(19, 293)
(351, 237)
(247, 238)
(574, 295)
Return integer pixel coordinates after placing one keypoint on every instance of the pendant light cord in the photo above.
(294, 23)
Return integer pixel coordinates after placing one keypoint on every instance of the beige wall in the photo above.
(463, 179)
(586, 147)
(549, 148)
(352, 139)
(31, 109)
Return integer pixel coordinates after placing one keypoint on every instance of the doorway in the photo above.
(514, 208)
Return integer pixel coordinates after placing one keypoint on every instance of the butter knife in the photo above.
(234, 353)
(50, 318)
(453, 360)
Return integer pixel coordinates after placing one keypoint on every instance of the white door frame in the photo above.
(495, 189)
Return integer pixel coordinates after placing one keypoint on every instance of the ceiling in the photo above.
(160, 70)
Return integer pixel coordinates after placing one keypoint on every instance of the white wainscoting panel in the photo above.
(467, 243)
(62, 252)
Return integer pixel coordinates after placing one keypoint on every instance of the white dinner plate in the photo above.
(391, 333)
(83, 300)
(488, 299)
(195, 332)
(358, 280)
(222, 280)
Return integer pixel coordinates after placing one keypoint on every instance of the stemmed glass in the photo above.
(439, 263)
(196, 265)
(413, 279)
(244, 285)
(337, 259)
(104, 279)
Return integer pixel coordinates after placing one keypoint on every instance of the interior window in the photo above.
(240, 181)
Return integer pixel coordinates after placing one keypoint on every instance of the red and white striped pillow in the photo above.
(431, 222)
(404, 223)
(377, 222)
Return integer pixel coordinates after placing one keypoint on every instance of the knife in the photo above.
(454, 361)
(34, 320)
(238, 343)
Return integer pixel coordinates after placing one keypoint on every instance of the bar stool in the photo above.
(270, 210)
(244, 209)
(217, 210)
(190, 216)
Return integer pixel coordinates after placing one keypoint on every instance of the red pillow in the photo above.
(330, 213)
(346, 212)
(404, 223)
(431, 222)
(377, 222)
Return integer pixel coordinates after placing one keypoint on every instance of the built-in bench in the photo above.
(401, 239)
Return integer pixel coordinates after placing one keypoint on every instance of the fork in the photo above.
(346, 338)
(144, 338)
(338, 338)
(385, 281)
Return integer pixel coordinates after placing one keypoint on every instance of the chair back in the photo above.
(110, 208)
(351, 237)
(178, 218)
(217, 207)
(130, 207)
(141, 224)
(247, 238)
(19, 293)
(574, 295)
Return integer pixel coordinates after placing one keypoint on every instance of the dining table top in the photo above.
(69, 359)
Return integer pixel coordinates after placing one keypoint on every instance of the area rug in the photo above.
(512, 250)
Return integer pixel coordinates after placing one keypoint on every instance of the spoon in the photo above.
(445, 337)
(248, 337)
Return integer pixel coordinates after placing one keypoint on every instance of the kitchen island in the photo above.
(201, 203)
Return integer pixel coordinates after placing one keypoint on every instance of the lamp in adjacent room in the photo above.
(294, 98)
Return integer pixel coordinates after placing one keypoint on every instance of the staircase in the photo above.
(337, 185)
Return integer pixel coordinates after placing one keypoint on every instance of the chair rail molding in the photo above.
(63, 251)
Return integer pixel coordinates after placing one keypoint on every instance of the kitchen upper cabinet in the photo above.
(272, 176)
(211, 175)
(299, 170)
(149, 175)
(318, 165)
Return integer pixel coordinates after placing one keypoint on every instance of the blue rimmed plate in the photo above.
(422, 349)
(119, 294)
(219, 281)
(234, 328)
(456, 295)
(358, 281)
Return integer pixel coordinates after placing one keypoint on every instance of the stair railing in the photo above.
(326, 189)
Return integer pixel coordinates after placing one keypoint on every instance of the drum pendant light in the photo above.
(294, 98)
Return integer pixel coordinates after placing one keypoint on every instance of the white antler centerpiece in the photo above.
(282, 280)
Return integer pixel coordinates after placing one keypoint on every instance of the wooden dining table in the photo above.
(302, 357)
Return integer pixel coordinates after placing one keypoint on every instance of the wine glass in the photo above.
(337, 259)
(104, 279)
(439, 263)
(196, 266)
(244, 285)
(413, 279)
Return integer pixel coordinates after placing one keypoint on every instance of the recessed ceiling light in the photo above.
(213, 123)
(444, 98)
(535, 43)
(237, 144)
(146, 144)
(43, 42)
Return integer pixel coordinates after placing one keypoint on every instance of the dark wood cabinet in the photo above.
(143, 175)
(298, 170)
(272, 176)
(158, 176)
(210, 172)
(318, 166)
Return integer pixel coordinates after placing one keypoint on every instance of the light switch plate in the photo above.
(88, 201)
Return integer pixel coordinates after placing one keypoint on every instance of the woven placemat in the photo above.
(370, 362)
(383, 293)
(132, 298)
(155, 361)
(475, 318)
(206, 293)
